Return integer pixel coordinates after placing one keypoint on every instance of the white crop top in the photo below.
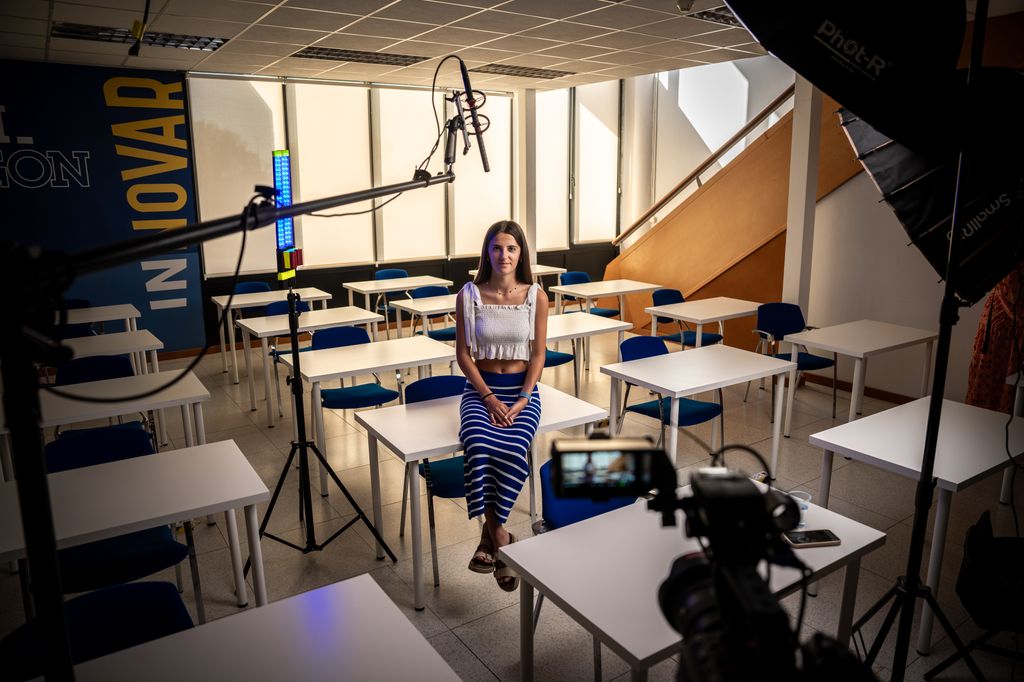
(498, 332)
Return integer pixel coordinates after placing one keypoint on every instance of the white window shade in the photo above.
(597, 167)
(330, 156)
(412, 226)
(552, 154)
(236, 126)
(481, 199)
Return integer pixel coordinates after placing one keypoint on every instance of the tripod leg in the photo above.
(883, 632)
(931, 601)
(273, 499)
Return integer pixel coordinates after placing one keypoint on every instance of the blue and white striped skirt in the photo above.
(496, 456)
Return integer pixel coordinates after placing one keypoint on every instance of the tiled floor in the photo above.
(473, 624)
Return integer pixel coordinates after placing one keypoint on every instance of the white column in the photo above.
(524, 162)
(803, 186)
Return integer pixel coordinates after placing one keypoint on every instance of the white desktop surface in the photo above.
(429, 305)
(277, 325)
(118, 343)
(349, 630)
(379, 356)
(600, 289)
(265, 297)
(576, 325)
(383, 286)
(536, 269)
(605, 572)
(862, 338)
(706, 310)
(103, 313)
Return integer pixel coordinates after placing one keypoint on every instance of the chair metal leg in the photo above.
(746, 391)
(433, 535)
(536, 610)
(197, 587)
(835, 381)
(405, 502)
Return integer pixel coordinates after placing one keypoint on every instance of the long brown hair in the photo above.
(523, 273)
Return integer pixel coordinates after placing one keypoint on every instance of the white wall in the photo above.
(863, 267)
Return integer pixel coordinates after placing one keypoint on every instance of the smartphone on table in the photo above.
(811, 538)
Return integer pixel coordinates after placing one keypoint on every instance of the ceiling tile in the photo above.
(224, 58)
(95, 16)
(426, 12)
(346, 41)
(421, 48)
(33, 9)
(624, 57)
(22, 40)
(503, 22)
(669, 64)
(535, 61)
(553, 9)
(625, 71)
(671, 48)
(680, 27)
(473, 3)
(360, 7)
(288, 36)
(664, 6)
(724, 38)
(257, 47)
(387, 28)
(484, 55)
(623, 40)
(226, 10)
(566, 31)
(753, 48)
(520, 44)
(363, 70)
(576, 51)
(579, 66)
(231, 67)
(458, 36)
(200, 27)
(165, 58)
(715, 56)
(307, 19)
(616, 16)
(33, 27)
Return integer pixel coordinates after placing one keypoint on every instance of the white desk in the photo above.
(318, 366)
(346, 631)
(860, 340)
(430, 305)
(536, 269)
(970, 446)
(188, 395)
(572, 326)
(703, 312)
(105, 313)
(431, 428)
(590, 291)
(605, 573)
(263, 328)
(132, 343)
(707, 368)
(262, 298)
(372, 287)
(107, 500)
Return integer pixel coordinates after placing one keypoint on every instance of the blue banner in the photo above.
(92, 156)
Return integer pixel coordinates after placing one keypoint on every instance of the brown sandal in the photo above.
(483, 557)
(505, 576)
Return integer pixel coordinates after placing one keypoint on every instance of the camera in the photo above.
(732, 626)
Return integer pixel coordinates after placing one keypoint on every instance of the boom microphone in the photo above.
(471, 104)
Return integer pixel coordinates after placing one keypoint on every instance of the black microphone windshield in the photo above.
(471, 104)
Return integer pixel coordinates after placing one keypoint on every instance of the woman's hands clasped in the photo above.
(501, 414)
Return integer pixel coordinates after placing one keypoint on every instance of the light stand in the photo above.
(41, 278)
(301, 446)
(909, 588)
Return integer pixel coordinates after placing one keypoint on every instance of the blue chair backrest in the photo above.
(780, 319)
(88, 447)
(559, 511)
(667, 297)
(336, 337)
(573, 277)
(430, 290)
(638, 347)
(93, 368)
(281, 308)
(391, 273)
(441, 386)
(70, 331)
(251, 287)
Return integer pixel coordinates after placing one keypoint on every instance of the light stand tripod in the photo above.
(302, 446)
(909, 588)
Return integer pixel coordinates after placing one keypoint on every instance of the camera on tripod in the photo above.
(733, 627)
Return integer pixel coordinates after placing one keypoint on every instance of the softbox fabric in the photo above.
(920, 187)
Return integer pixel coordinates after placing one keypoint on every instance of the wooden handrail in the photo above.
(713, 158)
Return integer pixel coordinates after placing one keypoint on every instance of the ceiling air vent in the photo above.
(336, 55)
(522, 71)
(717, 15)
(105, 34)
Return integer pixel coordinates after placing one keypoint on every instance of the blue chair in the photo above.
(381, 304)
(250, 288)
(445, 334)
(93, 368)
(558, 512)
(685, 336)
(445, 477)
(690, 412)
(99, 623)
(124, 558)
(577, 277)
(554, 358)
(774, 322)
(370, 394)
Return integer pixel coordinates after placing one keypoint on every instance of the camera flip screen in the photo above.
(603, 472)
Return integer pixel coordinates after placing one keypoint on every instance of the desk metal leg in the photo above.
(525, 631)
(792, 392)
(317, 408)
(234, 350)
(223, 344)
(673, 429)
(351, 297)
(241, 594)
(586, 341)
(934, 569)
(161, 416)
(398, 321)
(636, 675)
(654, 324)
(823, 491)
(413, 481)
(700, 336)
(197, 413)
(614, 417)
(268, 367)
(780, 388)
(375, 490)
(252, 530)
(251, 380)
(857, 394)
(849, 598)
(186, 426)
(373, 331)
